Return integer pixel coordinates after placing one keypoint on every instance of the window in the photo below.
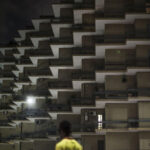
(99, 120)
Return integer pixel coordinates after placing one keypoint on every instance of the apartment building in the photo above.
(89, 64)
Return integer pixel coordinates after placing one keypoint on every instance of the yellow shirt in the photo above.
(68, 144)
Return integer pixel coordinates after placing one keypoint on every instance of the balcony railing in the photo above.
(29, 113)
(5, 106)
(123, 94)
(35, 134)
(83, 75)
(60, 62)
(62, 19)
(37, 72)
(63, 2)
(4, 122)
(83, 27)
(23, 61)
(6, 74)
(58, 107)
(36, 92)
(83, 5)
(83, 51)
(22, 79)
(60, 84)
(82, 101)
(5, 90)
(7, 59)
(90, 126)
(61, 40)
(41, 34)
(25, 43)
(38, 52)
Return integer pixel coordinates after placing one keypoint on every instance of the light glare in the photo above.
(30, 100)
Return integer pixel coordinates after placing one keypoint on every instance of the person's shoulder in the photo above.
(59, 144)
(78, 144)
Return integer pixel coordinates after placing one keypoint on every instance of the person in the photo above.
(67, 142)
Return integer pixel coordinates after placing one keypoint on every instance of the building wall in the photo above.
(121, 141)
(90, 142)
(144, 113)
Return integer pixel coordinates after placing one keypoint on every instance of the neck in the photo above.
(65, 136)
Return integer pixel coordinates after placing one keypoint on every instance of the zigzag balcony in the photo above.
(5, 106)
(36, 92)
(122, 38)
(38, 72)
(84, 5)
(7, 59)
(38, 52)
(83, 51)
(23, 61)
(22, 79)
(82, 101)
(83, 27)
(60, 62)
(8, 74)
(120, 12)
(129, 125)
(60, 85)
(25, 43)
(62, 20)
(35, 134)
(114, 94)
(30, 113)
(5, 90)
(57, 107)
(133, 63)
(4, 123)
(65, 40)
(63, 2)
(83, 75)
(41, 34)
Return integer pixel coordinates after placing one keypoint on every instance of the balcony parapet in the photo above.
(23, 61)
(59, 85)
(83, 27)
(7, 59)
(36, 72)
(82, 101)
(36, 92)
(6, 90)
(83, 75)
(123, 94)
(63, 2)
(83, 6)
(7, 74)
(58, 107)
(83, 51)
(39, 52)
(60, 62)
(67, 40)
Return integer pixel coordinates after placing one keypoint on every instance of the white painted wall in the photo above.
(56, 8)
(78, 15)
(129, 18)
(56, 28)
(99, 5)
(77, 37)
(36, 23)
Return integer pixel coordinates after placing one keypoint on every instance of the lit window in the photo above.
(100, 119)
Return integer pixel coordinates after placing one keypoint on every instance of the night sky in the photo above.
(17, 14)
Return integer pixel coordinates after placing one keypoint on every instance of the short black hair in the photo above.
(65, 126)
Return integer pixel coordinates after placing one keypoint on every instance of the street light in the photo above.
(30, 100)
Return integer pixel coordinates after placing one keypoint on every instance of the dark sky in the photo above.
(17, 14)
